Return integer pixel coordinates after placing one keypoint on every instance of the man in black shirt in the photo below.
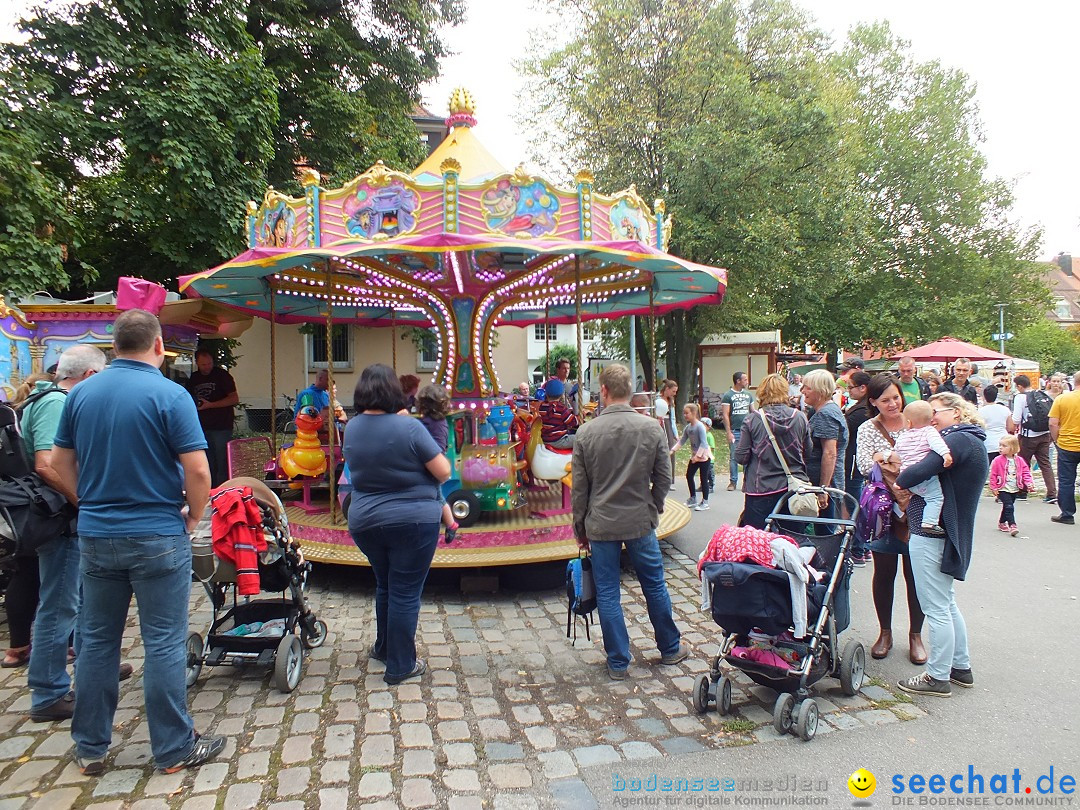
(959, 383)
(214, 392)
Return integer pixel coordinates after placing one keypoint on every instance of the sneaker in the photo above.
(1050, 500)
(962, 677)
(680, 654)
(702, 507)
(62, 709)
(731, 487)
(418, 669)
(1003, 527)
(90, 766)
(205, 749)
(450, 534)
(691, 502)
(858, 560)
(1064, 519)
(616, 674)
(924, 684)
(1014, 530)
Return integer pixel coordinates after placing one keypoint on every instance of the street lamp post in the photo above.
(1001, 327)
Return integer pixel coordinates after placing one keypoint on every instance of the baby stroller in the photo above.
(259, 631)
(753, 605)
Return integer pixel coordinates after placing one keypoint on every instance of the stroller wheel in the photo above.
(806, 725)
(290, 656)
(311, 641)
(781, 716)
(852, 668)
(701, 694)
(194, 646)
(723, 695)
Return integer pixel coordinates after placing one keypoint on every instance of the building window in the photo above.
(589, 331)
(1061, 310)
(427, 357)
(552, 331)
(340, 345)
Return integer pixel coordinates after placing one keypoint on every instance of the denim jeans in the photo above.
(58, 565)
(217, 454)
(648, 562)
(930, 491)
(157, 570)
(1066, 469)
(400, 557)
(937, 596)
(1008, 507)
(733, 465)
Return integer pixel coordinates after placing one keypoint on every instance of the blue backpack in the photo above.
(875, 509)
(580, 594)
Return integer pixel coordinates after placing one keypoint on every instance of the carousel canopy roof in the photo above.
(460, 233)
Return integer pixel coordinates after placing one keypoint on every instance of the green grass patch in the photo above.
(738, 726)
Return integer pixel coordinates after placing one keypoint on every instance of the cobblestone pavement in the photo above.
(507, 717)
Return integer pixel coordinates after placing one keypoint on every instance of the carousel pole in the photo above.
(273, 369)
(393, 338)
(577, 315)
(547, 343)
(331, 432)
(652, 335)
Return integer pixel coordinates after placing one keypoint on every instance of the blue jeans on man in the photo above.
(937, 596)
(58, 608)
(648, 562)
(1067, 460)
(733, 465)
(217, 453)
(157, 570)
(400, 557)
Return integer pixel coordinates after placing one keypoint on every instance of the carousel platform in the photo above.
(499, 538)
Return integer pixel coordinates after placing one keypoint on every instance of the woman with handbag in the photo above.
(938, 562)
(874, 445)
(766, 477)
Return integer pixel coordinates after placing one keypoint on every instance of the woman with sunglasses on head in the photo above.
(938, 562)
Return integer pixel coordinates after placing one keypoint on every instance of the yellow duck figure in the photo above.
(306, 456)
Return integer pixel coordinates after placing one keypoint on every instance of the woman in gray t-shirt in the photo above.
(394, 512)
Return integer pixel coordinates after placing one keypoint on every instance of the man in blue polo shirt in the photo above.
(130, 444)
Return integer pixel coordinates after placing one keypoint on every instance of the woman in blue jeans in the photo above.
(938, 562)
(394, 512)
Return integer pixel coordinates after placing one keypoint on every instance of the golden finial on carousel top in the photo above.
(462, 109)
(659, 206)
(584, 178)
(309, 177)
(450, 165)
(252, 208)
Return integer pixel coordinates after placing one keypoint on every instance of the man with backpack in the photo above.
(58, 559)
(621, 477)
(1031, 411)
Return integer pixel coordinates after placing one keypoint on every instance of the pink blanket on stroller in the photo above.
(741, 544)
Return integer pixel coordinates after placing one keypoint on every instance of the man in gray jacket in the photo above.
(622, 474)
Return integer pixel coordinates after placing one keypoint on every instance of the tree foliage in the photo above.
(1053, 348)
(843, 189)
(156, 120)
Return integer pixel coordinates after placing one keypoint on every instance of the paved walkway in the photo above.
(508, 717)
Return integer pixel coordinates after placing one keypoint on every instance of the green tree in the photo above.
(1053, 348)
(936, 247)
(156, 121)
(729, 111)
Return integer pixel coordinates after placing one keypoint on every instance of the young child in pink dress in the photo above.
(913, 445)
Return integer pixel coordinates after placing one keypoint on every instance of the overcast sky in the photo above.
(1022, 58)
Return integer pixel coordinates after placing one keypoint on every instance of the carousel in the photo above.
(460, 246)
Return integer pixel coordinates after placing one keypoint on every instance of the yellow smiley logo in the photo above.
(862, 784)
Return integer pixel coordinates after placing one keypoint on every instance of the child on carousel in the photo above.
(433, 404)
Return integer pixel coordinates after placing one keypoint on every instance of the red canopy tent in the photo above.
(949, 349)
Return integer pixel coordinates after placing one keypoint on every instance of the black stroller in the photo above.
(273, 622)
(752, 599)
